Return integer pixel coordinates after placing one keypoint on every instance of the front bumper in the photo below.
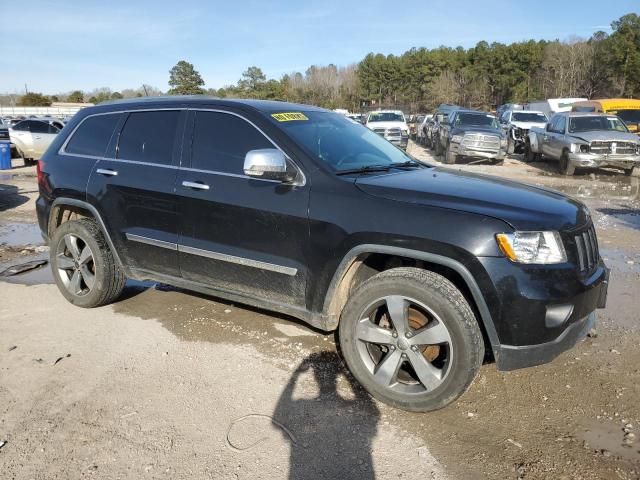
(590, 160)
(511, 357)
(464, 151)
(539, 311)
(401, 142)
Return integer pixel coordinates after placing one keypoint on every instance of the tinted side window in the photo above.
(221, 141)
(39, 127)
(560, 124)
(149, 137)
(93, 135)
(21, 126)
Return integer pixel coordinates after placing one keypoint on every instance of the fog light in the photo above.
(584, 148)
(557, 315)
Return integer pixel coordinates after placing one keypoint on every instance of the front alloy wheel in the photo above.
(404, 345)
(411, 339)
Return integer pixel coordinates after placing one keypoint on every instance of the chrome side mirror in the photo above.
(267, 163)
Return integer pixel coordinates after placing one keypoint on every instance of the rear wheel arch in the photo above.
(359, 264)
(66, 209)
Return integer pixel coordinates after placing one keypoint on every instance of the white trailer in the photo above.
(553, 105)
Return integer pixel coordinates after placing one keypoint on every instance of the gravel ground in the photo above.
(169, 384)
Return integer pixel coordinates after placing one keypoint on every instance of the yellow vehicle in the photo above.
(627, 109)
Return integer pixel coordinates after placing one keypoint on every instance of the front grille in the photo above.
(481, 142)
(615, 148)
(394, 132)
(379, 131)
(586, 245)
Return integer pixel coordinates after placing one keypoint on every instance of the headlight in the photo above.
(579, 147)
(456, 138)
(532, 247)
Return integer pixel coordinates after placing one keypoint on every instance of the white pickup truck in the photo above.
(584, 140)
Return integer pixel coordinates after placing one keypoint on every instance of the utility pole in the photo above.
(26, 90)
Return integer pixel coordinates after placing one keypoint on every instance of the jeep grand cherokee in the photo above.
(298, 210)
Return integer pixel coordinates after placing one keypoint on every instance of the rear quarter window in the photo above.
(93, 135)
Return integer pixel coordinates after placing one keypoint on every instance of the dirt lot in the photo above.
(168, 384)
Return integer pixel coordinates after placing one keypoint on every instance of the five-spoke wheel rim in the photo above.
(405, 346)
(76, 265)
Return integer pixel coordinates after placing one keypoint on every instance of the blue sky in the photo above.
(122, 44)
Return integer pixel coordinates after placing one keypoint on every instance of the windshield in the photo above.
(385, 117)
(629, 116)
(592, 123)
(341, 144)
(528, 117)
(476, 120)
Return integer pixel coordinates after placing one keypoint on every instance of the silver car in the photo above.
(33, 136)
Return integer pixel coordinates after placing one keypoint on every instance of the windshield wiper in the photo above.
(368, 168)
(407, 164)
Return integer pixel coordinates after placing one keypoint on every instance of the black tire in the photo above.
(437, 146)
(498, 161)
(511, 148)
(29, 162)
(108, 278)
(450, 158)
(628, 171)
(565, 167)
(465, 345)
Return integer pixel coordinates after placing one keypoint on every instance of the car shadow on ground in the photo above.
(331, 429)
(10, 197)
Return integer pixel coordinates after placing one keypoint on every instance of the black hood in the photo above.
(524, 207)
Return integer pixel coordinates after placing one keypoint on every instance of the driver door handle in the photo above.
(107, 172)
(195, 185)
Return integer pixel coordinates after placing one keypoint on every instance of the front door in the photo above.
(135, 190)
(239, 234)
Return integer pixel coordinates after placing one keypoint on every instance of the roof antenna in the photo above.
(144, 87)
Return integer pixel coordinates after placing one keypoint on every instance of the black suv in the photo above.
(299, 210)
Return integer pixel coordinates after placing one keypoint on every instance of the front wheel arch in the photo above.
(342, 282)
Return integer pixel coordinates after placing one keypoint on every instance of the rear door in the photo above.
(43, 134)
(557, 140)
(547, 136)
(239, 234)
(134, 189)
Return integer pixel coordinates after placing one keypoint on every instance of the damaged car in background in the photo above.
(517, 123)
(585, 140)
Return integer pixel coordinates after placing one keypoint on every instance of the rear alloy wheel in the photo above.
(566, 167)
(83, 265)
(410, 338)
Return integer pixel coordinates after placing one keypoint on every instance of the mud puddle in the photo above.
(600, 188)
(613, 439)
(18, 234)
(199, 318)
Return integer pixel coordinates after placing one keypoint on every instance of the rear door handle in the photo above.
(107, 172)
(195, 185)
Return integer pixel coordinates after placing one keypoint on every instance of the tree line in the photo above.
(484, 76)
